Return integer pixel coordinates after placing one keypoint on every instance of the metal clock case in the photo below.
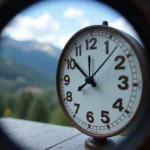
(101, 80)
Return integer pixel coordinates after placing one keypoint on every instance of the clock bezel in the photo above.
(142, 59)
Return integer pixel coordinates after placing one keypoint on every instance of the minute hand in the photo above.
(104, 62)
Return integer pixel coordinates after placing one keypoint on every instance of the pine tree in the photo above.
(58, 117)
(39, 110)
(1, 105)
(25, 101)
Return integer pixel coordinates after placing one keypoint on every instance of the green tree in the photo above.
(10, 105)
(10, 102)
(25, 100)
(7, 112)
(50, 96)
(2, 107)
(58, 117)
(39, 110)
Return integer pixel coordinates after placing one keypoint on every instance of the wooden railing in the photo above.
(41, 136)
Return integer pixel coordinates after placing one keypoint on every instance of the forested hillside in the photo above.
(14, 75)
(27, 82)
(42, 57)
(41, 108)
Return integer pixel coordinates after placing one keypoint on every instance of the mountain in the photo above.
(41, 56)
(14, 76)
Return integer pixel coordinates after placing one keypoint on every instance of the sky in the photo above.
(56, 21)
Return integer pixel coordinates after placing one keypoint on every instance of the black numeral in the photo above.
(120, 66)
(89, 117)
(78, 50)
(91, 44)
(67, 79)
(105, 118)
(77, 105)
(118, 104)
(70, 64)
(69, 96)
(124, 85)
(107, 47)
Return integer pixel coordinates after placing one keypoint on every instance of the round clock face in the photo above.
(99, 81)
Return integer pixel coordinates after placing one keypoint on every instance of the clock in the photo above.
(101, 79)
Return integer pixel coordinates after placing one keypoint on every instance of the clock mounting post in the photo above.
(98, 144)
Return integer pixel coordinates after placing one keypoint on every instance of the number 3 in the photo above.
(124, 80)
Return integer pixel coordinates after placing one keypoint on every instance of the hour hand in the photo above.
(81, 87)
(87, 81)
(78, 67)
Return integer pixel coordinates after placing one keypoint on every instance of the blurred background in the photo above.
(30, 48)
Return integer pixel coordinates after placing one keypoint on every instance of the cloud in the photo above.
(44, 29)
(125, 26)
(85, 23)
(73, 13)
(63, 39)
(41, 28)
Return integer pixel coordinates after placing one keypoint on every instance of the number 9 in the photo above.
(67, 79)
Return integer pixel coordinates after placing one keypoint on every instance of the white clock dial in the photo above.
(100, 81)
